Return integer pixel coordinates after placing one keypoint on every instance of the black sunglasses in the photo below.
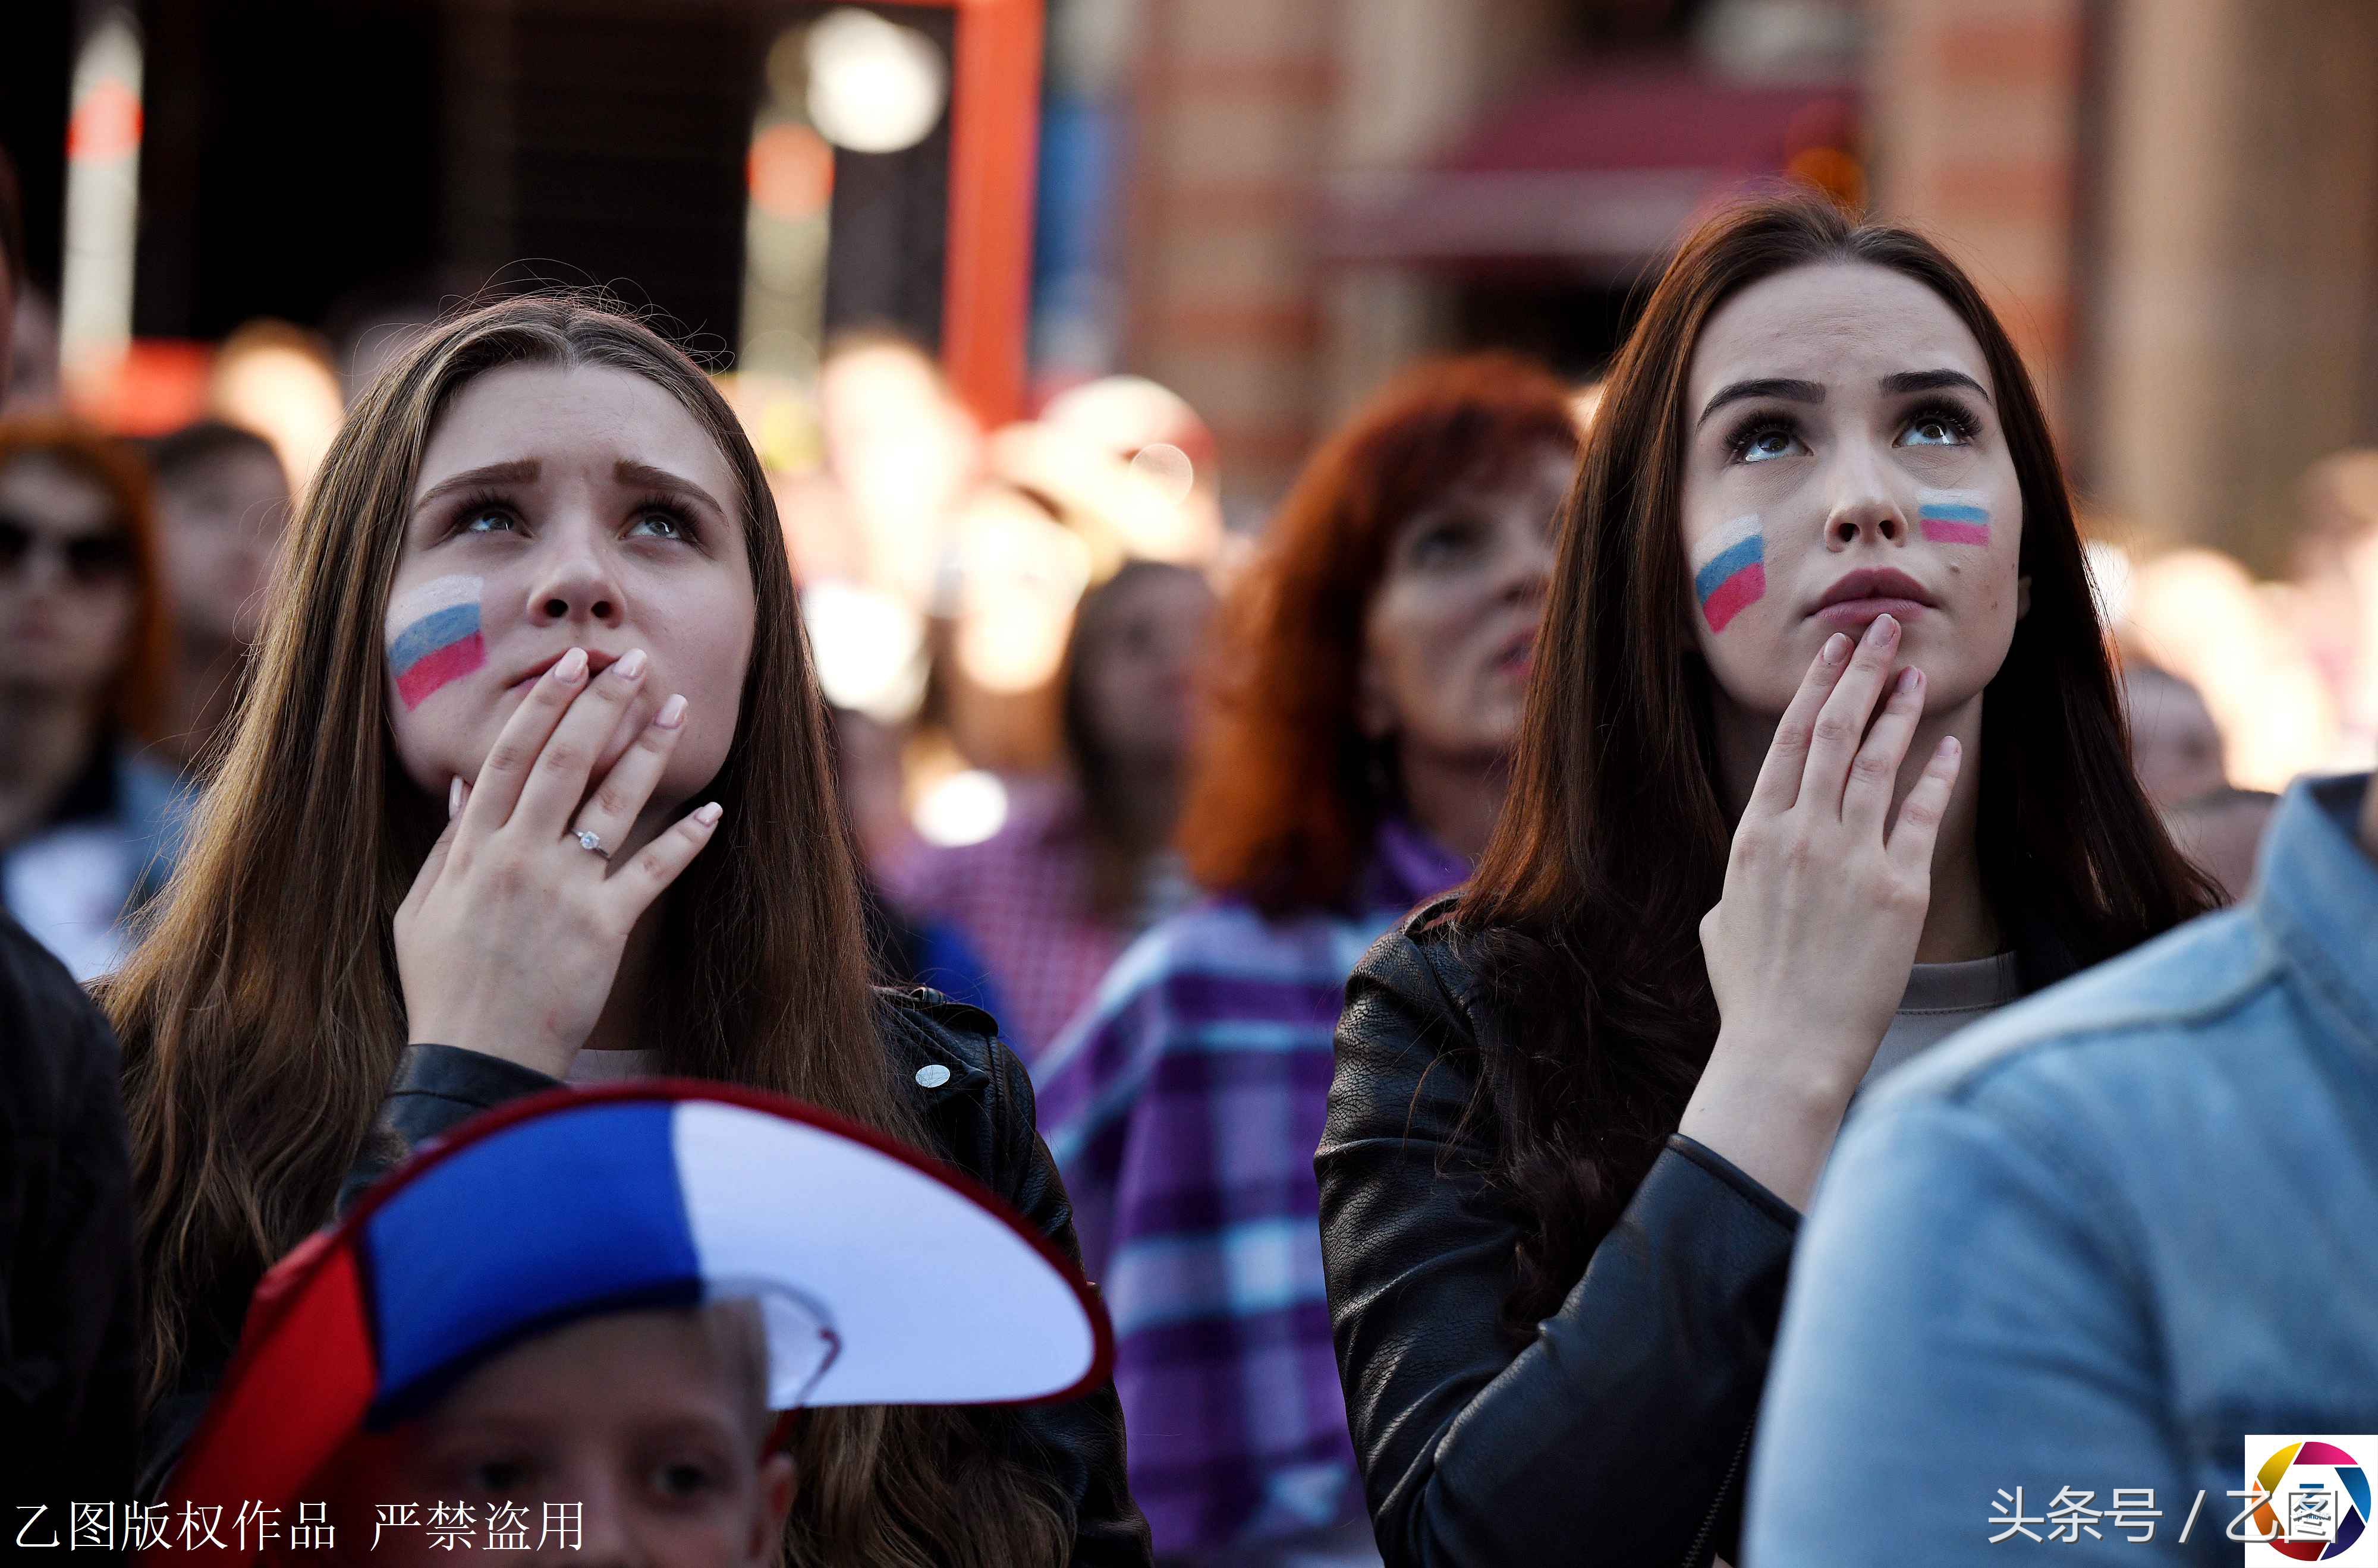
(89, 558)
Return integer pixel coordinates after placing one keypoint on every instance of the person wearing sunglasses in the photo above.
(88, 824)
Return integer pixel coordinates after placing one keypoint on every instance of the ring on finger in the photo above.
(588, 839)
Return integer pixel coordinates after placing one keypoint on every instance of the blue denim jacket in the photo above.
(2094, 1241)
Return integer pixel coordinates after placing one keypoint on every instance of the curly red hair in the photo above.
(1287, 795)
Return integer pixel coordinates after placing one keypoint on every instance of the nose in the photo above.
(577, 586)
(1863, 510)
(1528, 561)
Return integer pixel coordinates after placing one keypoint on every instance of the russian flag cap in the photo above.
(655, 1193)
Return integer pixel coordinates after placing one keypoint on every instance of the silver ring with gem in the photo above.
(588, 839)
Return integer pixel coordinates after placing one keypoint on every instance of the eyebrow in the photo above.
(521, 472)
(630, 472)
(1772, 386)
(1928, 380)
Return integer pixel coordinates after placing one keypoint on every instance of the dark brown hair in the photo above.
(12, 237)
(135, 697)
(1586, 907)
(262, 1016)
(193, 447)
(1289, 792)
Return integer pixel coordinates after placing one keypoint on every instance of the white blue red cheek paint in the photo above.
(433, 636)
(1952, 519)
(1732, 573)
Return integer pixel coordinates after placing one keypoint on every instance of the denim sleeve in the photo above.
(1966, 1319)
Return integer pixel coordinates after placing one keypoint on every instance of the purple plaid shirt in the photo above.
(1183, 1108)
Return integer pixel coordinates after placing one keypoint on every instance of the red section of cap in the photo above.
(295, 1394)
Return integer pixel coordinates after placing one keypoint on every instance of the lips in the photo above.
(596, 662)
(1872, 583)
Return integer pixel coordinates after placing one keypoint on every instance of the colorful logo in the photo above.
(2317, 1504)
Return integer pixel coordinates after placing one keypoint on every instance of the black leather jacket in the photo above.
(1620, 1433)
(982, 1119)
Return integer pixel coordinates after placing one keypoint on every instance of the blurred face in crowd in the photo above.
(67, 593)
(222, 518)
(2174, 745)
(1139, 668)
(561, 507)
(1845, 459)
(652, 1422)
(1450, 632)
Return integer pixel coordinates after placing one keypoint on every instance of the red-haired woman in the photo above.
(1760, 844)
(86, 825)
(1373, 673)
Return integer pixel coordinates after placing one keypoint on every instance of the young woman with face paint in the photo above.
(1760, 844)
(531, 783)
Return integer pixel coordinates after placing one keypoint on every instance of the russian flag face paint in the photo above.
(1732, 573)
(434, 636)
(1953, 523)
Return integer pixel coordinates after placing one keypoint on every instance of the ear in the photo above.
(775, 1507)
(2021, 597)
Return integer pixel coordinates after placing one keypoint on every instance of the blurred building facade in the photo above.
(2171, 200)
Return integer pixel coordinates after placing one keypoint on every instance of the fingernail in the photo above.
(672, 712)
(633, 665)
(1837, 648)
(1949, 747)
(454, 796)
(1910, 678)
(709, 814)
(571, 668)
(1881, 631)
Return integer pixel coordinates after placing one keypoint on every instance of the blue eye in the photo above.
(661, 518)
(488, 519)
(1764, 440)
(1944, 425)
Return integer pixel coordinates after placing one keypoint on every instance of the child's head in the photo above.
(499, 1349)
(653, 1424)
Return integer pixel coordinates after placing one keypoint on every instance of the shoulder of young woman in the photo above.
(974, 1092)
(1426, 964)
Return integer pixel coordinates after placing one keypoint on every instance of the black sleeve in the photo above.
(68, 1302)
(435, 1090)
(1617, 1428)
(1079, 1443)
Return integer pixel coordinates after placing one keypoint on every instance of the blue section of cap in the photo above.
(1724, 564)
(572, 1211)
(430, 633)
(1941, 512)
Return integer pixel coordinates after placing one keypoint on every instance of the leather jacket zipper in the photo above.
(1694, 1559)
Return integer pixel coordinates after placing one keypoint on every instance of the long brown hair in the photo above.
(1118, 860)
(262, 1016)
(135, 699)
(1287, 791)
(1586, 906)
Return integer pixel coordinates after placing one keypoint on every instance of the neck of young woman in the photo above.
(1959, 923)
(621, 1026)
(1454, 799)
(1144, 800)
(45, 740)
